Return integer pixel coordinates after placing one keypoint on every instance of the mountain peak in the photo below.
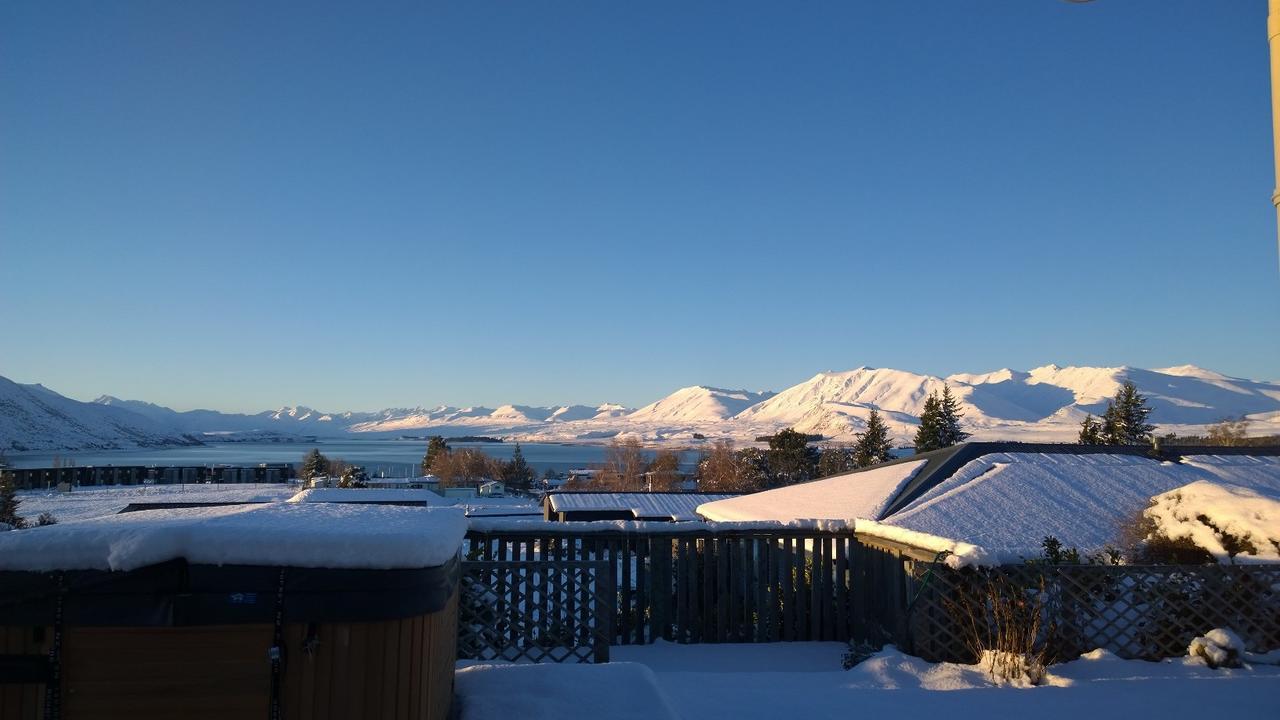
(1192, 371)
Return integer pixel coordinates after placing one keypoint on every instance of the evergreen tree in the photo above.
(1090, 431)
(949, 416)
(516, 473)
(752, 472)
(313, 465)
(874, 445)
(836, 459)
(791, 460)
(927, 435)
(353, 476)
(436, 446)
(1125, 421)
(9, 504)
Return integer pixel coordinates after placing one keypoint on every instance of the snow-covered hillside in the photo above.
(1043, 404)
(697, 405)
(33, 417)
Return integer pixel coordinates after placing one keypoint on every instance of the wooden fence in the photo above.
(708, 586)
(538, 610)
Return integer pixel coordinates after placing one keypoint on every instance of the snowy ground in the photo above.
(804, 680)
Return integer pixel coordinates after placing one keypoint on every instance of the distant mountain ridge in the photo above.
(1044, 404)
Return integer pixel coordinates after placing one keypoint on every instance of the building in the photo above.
(492, 489)
(426, 482)
(92, 476)
(662, 506)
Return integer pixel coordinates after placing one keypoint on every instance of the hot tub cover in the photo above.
(176, 593)
(303, 535)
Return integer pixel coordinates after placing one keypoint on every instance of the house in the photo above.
(492, 489)
(404, 497)
(660, 506)
(426, 482)
(1007, 497)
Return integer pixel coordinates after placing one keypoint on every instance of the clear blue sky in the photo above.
(242, 205)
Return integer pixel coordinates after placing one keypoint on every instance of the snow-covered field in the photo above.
(805, 680)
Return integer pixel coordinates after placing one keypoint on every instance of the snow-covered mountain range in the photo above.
(1046, 403)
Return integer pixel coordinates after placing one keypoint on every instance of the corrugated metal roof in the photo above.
(677, 506)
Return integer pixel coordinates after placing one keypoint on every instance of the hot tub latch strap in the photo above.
(276, 653)
(53, 688)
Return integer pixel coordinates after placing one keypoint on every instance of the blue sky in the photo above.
(244, 205)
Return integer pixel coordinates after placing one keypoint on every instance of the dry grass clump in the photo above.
(1005, 625)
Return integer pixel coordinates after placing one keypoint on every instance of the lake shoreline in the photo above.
(380, 456)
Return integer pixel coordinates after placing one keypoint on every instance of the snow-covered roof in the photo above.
(368, 495)
(1008, 502)
(425, 480)
(862, 494)
(276, 534)
(83, 503)
(677, 506)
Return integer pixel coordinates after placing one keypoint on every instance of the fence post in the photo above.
(605, 603)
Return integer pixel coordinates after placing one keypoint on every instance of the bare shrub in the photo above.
(1230, 432)
(1144, 544)
(1004, 625)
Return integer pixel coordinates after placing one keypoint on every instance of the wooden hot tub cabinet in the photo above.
(185, 641)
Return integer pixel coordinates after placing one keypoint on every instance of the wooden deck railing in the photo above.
(704, 585)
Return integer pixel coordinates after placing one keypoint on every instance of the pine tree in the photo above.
(353, 476)
(9, 504)
(516, 473)
(1125, 421)
(752, 472)
(949, 416)
(1090, 431)
(436, 446)
(314, 465)
(874, 445)
(928, 435)
(791, 460)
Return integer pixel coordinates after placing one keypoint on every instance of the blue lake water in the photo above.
(392, 458)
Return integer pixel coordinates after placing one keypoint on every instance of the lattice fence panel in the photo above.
(1147, 612)
(536, 610)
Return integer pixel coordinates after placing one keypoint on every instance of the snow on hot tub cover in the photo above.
(278, 534)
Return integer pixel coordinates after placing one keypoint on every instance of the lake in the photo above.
(391, 458)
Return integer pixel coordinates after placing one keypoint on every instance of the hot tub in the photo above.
(246, 611)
